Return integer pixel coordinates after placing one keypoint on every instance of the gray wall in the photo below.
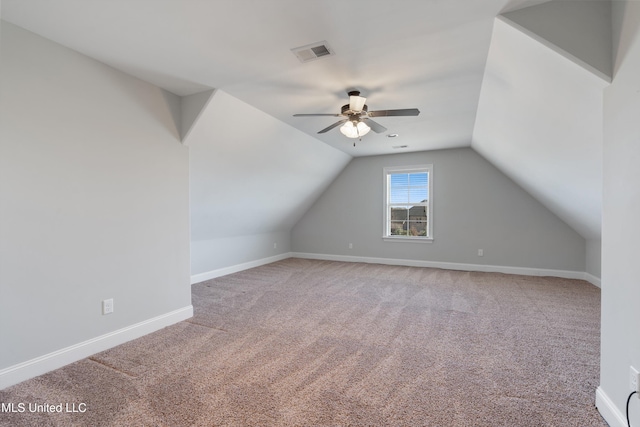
(94, 199)
(621, 211)
(475, 207)
(594, 257)
(252, 177)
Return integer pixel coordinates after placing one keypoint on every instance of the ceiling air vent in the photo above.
(313, 51)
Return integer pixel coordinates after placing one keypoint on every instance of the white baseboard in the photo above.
(567, 274)
(208, 275)
(608, 410)
(595, 281)
(447, 265)
(57, 359)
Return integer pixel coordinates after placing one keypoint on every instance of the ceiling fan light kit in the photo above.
(356, 113)
(354, 129)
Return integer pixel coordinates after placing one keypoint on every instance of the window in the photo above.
(408, 213)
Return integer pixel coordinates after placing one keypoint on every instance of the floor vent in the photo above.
(313, 51)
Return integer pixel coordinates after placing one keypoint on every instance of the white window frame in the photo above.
(386, 232)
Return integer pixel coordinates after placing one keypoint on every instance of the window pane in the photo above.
(408, 187)
(399, 194)
(398, 228)
(417, 228)
(418, 187)
(419, 179)
(399, 179)
(417, 195)
(399, 188)
(418, 213)
(399, 214)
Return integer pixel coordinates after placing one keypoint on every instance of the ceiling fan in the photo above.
(357, 121)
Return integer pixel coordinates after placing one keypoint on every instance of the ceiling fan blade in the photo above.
(376, 127)
(319, 114)
(402, 112)
(336, 124)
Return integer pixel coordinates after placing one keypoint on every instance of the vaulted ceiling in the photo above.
(520, 81)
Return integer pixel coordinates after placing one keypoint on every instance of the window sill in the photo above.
(407, 239)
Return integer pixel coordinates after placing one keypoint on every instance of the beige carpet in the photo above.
(319, 343)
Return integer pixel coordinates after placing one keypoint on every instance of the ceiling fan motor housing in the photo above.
(346, 110)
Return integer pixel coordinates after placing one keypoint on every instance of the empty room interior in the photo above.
(280, 212)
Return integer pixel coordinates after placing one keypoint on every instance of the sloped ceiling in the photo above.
(447, 58)
(247, 180)
(539, 117)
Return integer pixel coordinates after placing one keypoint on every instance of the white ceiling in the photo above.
(434, 55)
(540, 121)
(402, 54)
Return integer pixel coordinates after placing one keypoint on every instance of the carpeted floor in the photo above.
(320, 343)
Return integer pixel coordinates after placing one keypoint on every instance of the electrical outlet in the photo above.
(107, 306)
(634, 380)
(275, 246)
(480, 252)
(350, 245)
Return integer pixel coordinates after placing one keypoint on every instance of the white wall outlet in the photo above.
(480, 252)
(107, 306)
(275, 246)
(634, 380)
(350, 245)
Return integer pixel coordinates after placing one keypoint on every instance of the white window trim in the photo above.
(385, 224)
